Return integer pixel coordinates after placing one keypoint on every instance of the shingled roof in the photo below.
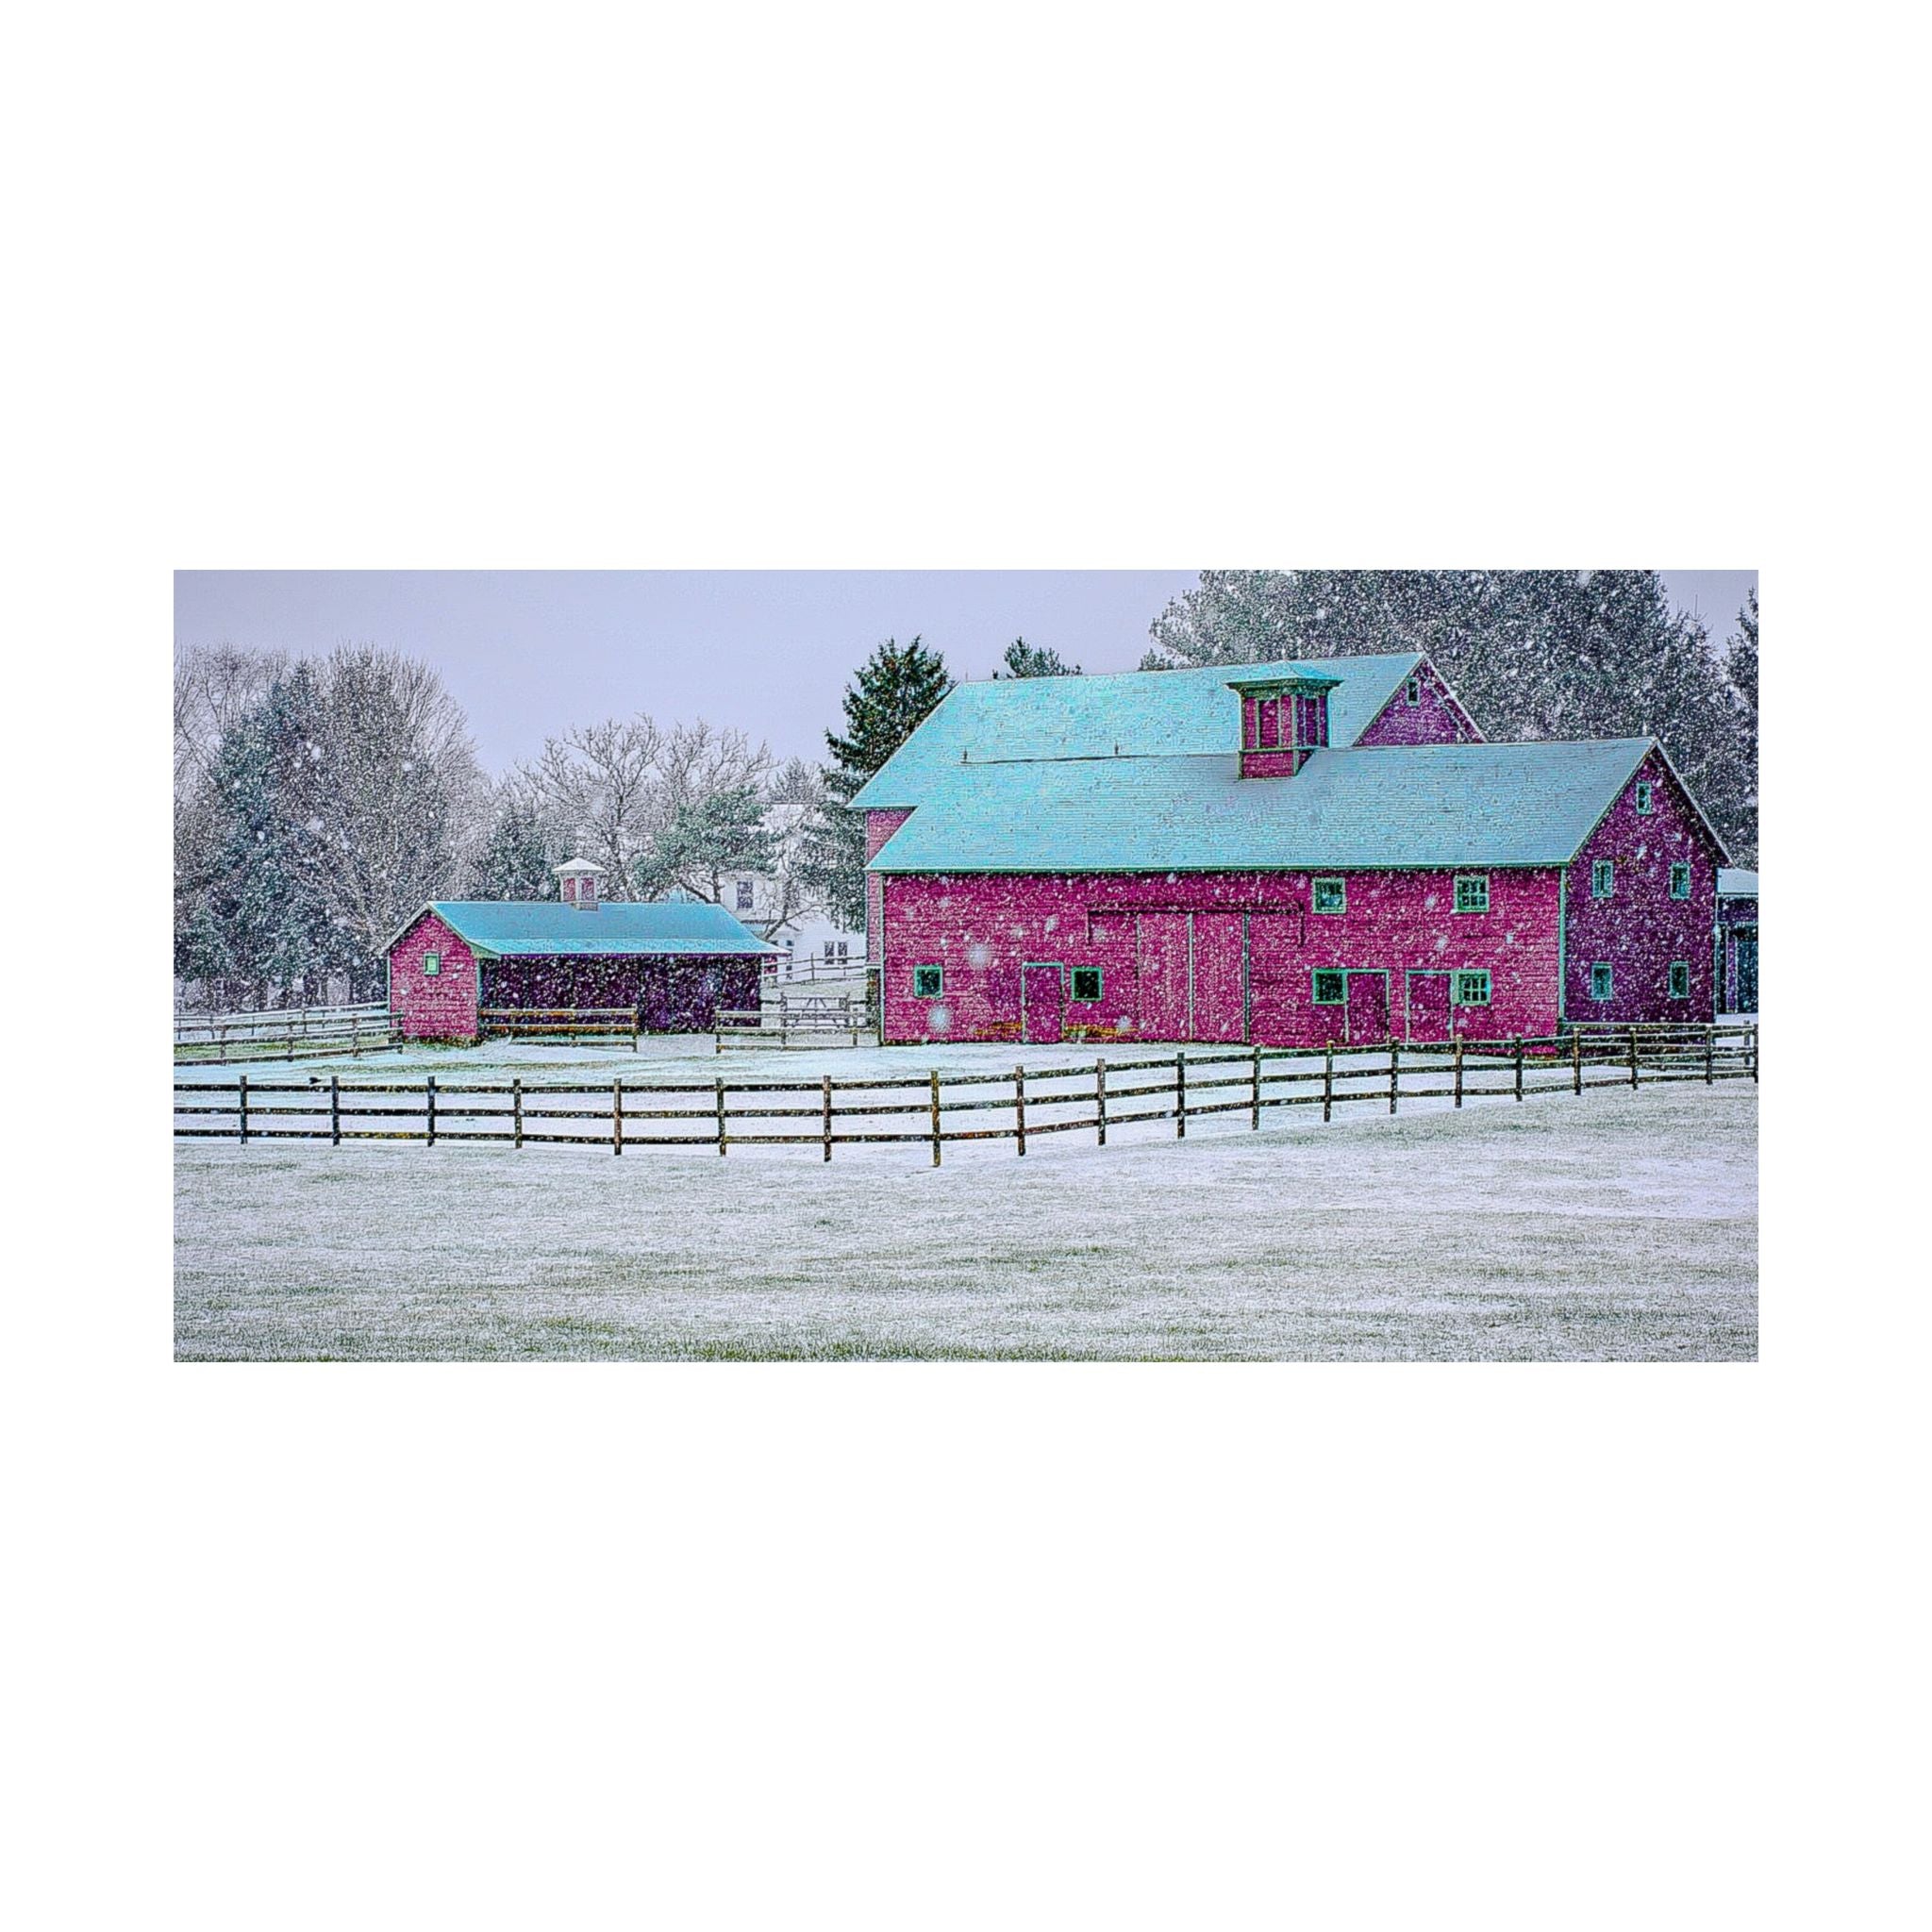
(500, 928)
(1428, 805)
(1137, 713)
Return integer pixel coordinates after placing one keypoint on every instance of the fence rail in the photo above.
(292, 1033)
(558, 1023)
(797, 1020)
(938, 1109)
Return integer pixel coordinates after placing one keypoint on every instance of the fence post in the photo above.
(1633, 1055)
(1180, 1096)
(934, 1116)
(335, 1110)
(1710, 1056)
(720, 1119)
(827, 1116)
(244, 1109)
(634, 1028)
(1255, 1102)
(1519, 1066)
(1019, 1107)
(1100, 1097)
(1576, 1060)
(516, 1108)
(1327, 1082)
(617, 1116)
(429, 1090)
(1754, 1050)
(1394, 1074)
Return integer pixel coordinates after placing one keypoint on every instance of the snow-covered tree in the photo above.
(517, 858)
(1035, 660)
(888, 698)
(705, 841)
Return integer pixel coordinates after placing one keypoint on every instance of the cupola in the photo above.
(576, 882)
(1284, 719)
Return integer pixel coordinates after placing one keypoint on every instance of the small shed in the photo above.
(1736, 940)
(673, 963)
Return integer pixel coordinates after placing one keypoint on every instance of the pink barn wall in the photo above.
(879, 827)
(983, 930)
(442, 1007)
(1437, 719)
(1640, 930)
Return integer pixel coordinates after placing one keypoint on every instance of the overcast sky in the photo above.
(529, 653)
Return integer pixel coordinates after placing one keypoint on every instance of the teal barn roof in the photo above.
(1141, 714)
(548, 927)
(1399, 805)
(1734, 884)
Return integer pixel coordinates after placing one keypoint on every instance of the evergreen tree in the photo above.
(266, 904)
(705, 839)
(894, 690)
(1035, 660)
(516, 861)
(1740, 668)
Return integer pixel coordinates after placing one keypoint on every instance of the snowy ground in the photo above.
(1619, 1226)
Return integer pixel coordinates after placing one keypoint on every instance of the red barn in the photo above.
(1294, 853)
(673, 962)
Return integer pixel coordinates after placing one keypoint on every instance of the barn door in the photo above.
(1043, 1003)
(1220, 1004)
(1747, 973)
(1367, 1008)
(1162, 958)
(1428, 1005)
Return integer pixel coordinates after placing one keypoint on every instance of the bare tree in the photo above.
(598, 787)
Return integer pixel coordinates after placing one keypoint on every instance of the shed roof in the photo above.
(1428, 805)
(549, 927)
(1735, 884)
(1143, 713)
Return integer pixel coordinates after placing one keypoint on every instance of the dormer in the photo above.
(1284, 719)
(576, 883)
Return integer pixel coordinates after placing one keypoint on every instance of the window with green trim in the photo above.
(1680, 880)
(1645, 792)
(928, 982)
(1085, 982)
(1331, 895)
(1472, 891)
(1603, 879)
(1680, 979)
(1472, 989)
(432, 965)
(1331, 988)
(1415, 691)
(1600, 982)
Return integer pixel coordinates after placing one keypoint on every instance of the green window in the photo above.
(1680, 881)
(1472, 891)
(1415, 691)
(1331, 895)
(1085, 982)
(1600, 981)
(1645, 792)
(1472, 989)
(927, 982)
(1331, 988)
(1680, 979)
(1603, 879)
(432, 965)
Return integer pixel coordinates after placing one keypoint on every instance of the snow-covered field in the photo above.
(1621, 1226)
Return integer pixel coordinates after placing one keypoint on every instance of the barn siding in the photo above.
(1437, 719)
(442, 1007)
(1640, 930)
(670, 992)
(982, 929)
(879, 827)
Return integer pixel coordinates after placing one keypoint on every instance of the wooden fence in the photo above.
(931, 1109)
(799, 1020)
(559, 1022)
(289, 1034)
